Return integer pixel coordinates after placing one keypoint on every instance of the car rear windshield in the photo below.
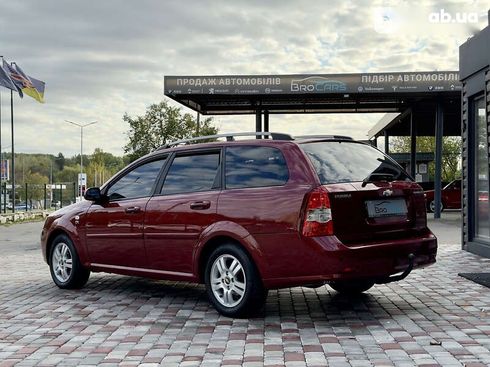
(343, 161)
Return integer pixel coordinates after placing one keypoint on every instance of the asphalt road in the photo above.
(20, 237)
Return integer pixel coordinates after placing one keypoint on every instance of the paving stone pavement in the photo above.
(432, 318)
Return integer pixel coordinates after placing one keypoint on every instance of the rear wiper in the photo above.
(392, 165)
(373, 177)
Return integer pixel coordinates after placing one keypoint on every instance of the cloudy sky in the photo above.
(100, 59)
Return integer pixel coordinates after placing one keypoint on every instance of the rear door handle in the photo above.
(133, 209)
(200, 205)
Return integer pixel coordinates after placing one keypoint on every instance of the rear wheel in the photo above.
(432, 206)
(233, 283)
(65, 266)
(352, 286)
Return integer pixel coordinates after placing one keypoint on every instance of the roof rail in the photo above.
(342, 137)
(229, 137)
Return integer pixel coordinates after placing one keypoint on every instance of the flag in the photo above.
(35, 88)
(12, 74)
(24, 83)
(5, 80)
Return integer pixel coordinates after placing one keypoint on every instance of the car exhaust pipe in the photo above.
(403, 275)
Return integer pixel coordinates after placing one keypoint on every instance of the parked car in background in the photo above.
(247, 216)
(450, 197)
(19, 206)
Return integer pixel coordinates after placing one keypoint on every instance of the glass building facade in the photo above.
(475, 75)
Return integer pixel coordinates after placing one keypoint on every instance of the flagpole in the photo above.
(1, 160)
(13, 156)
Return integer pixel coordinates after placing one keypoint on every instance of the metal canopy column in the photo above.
(387, 142)
(413, 145)
(438, 167)
(258, 122)
(266, 120)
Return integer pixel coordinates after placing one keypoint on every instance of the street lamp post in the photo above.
(81, 126)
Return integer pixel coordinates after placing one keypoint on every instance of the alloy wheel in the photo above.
(62, 262)
(228, 280)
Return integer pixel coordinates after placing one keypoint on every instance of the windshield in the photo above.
(344, 161)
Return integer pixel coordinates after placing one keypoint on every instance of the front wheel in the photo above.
(352, 286)
(233, 283)
(65, 266)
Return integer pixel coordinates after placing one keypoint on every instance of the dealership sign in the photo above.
(314, 83)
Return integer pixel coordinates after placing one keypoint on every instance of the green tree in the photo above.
(60, 161)
(102, 166)
(35, 188)
(451, 153)
(69, 174)
(162, 124)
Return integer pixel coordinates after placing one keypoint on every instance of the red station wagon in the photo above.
(246, 216)
(450, 197)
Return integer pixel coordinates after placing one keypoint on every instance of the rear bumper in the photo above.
(334, 261)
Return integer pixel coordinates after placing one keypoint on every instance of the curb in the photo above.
(22, 217)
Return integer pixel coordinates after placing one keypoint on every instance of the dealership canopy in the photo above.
(312, 93)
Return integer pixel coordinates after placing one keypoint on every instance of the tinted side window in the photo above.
(136, 183)
(254, 166)
(192, 173)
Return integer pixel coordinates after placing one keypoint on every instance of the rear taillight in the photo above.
(318, 215)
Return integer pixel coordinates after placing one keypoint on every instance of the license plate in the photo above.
(386, 208)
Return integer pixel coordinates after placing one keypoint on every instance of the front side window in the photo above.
(136, 183)
(255, 166)
(192, 173)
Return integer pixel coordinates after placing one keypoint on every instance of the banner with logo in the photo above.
(308, 84)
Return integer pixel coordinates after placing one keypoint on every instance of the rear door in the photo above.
(184, 206)
(371, 196)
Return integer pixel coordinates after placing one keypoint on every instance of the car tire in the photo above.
(66, 269)
(352, 286)
(233, 283)
(431, 208)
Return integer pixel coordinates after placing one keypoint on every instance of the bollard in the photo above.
(45, 196)
(4, 198)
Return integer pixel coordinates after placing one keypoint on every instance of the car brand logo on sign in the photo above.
(387, 192)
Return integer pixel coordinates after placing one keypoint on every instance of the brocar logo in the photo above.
(317, 84)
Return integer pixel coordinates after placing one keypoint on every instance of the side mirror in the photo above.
(93, 194)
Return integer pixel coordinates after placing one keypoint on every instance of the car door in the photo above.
(451, 195)
(455, 194)
(114, 229)
(184, 207)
